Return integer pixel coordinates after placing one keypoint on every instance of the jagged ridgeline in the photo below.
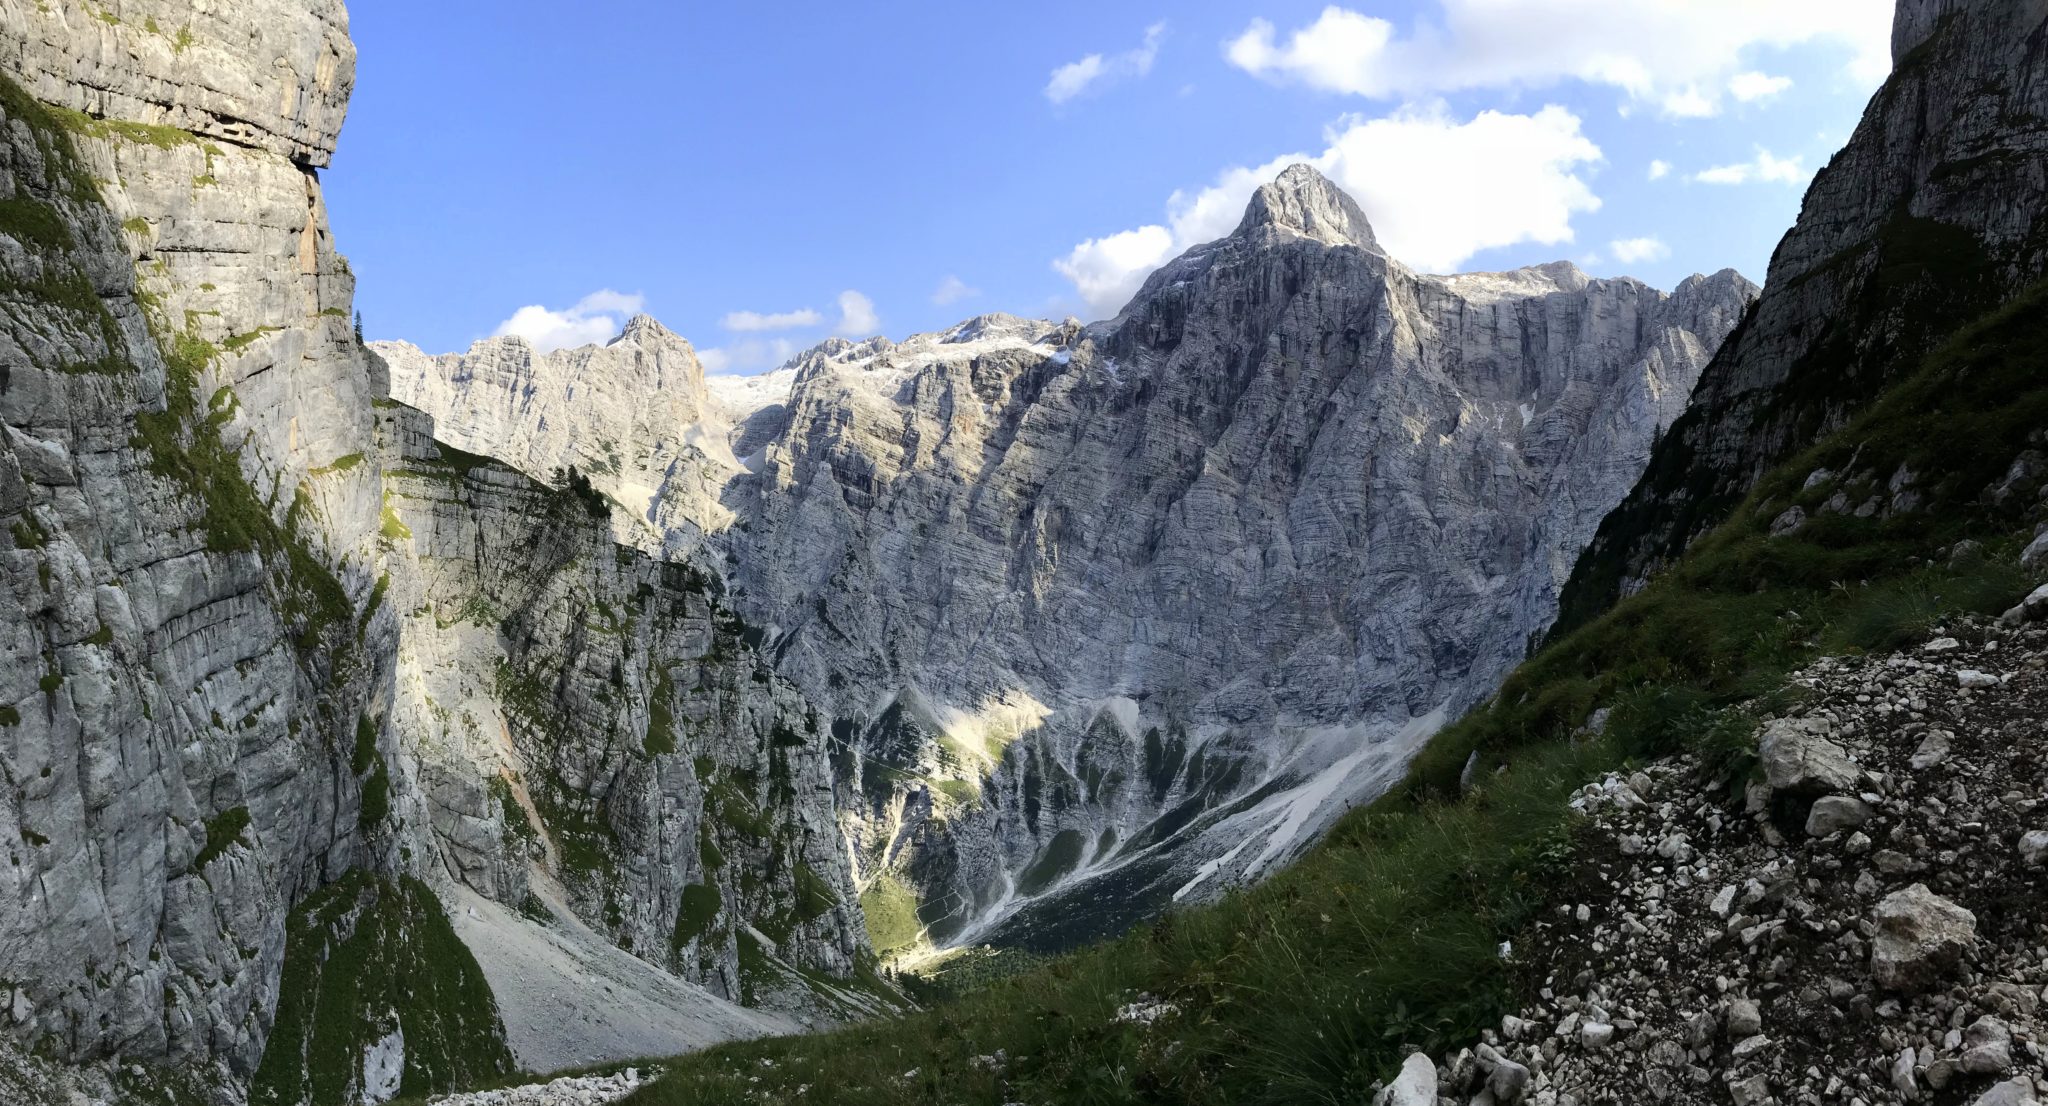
(1915, 500)
(1106, 617)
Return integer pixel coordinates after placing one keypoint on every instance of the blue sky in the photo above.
(761, 176)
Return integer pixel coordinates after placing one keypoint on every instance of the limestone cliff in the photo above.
(1931, 216)
(1101, 615)
(254, 718)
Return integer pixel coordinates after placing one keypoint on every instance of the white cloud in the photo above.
(1752, 86)
(1676, 54)
(1494, 180)
(953, 290)
(595, 318)
(1635, 251)
(1074, 78)
(857, 318)
(1107, 270)
(750, 356)
(1764, 170)
(1659, 169)
(1689, 103)
(786, 320)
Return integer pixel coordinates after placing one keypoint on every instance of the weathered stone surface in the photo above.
(1798, 758)
(274, 75)
(1920, 938)
(1067, 591)
(1932, 215)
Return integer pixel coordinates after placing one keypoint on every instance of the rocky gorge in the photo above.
(379, 724)
(1107, 617)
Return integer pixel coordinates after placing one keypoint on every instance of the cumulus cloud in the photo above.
(1635, 251)
(748, 321)
(1096, 70)
(595, 318)
(1465, 186)
(1766, 169)
(1659, 169)
(857, 318)
(1676, 56)
(1752, 86)
(952, 290)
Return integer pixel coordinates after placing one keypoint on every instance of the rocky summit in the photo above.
(1321, 681)
(1107, 617)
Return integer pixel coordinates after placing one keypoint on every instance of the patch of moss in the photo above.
(9, 716)
(28, 534)
(343, 463)
(366, 746)
(32, 222)
(661, 721)
(814, 897)
(222, 830)
(891, 912)
(376, 799)
(694, 917)
(363, 958)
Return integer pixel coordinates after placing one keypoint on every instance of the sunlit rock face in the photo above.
(1106, 615)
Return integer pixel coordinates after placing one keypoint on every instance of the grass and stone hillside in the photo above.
(1387, 939)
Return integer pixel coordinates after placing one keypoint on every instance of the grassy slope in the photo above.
(365, 956)
(1310, 987)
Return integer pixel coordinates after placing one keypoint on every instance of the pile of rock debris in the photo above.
(1869, 926)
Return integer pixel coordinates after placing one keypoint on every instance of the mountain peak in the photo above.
(1304, 202)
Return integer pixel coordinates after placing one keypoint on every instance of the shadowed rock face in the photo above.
(260, 634)
(1932, 215)
(1096, 606)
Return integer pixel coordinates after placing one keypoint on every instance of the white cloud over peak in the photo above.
(747, 321)
(1074, 78)
(595, 318)
(1635, 251)
(1676, 54)
(1465, 186)
(952, 290)
(857, 318)
(1659, 169)
(1766, 169)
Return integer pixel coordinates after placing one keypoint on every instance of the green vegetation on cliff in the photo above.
(1311, 987)
(365, 958)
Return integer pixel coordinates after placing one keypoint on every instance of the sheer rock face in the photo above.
(1932, 215)
(219, 645)
(182, 674)
(272, 75)
(590, 725)
(1116, 601)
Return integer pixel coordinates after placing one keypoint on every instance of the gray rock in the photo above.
(1987, 1047)
(2012, 1092)
(1799, 759)
(1744, 1019)
(2031, 609)
(2034, 846)
(1415, 1086)
(1835, 813)
(1920, 938)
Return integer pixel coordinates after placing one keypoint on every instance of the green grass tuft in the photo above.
(222, 831)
